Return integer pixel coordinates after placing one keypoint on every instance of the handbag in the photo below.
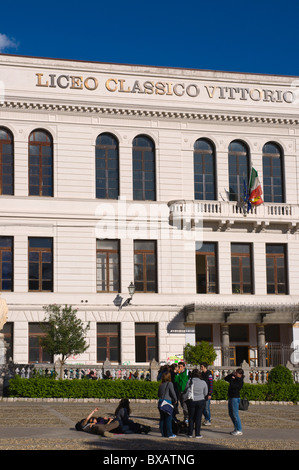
(165, 405)
(189, 393)
(244, 404)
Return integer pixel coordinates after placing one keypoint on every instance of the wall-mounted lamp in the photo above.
(118, 299)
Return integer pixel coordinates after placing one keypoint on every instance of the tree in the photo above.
(280, 375)
(202, 352)
(64, 332)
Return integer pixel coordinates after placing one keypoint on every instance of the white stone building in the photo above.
(112, 174)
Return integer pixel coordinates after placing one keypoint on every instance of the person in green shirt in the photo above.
(181, 380)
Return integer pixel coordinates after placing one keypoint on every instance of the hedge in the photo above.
(136, 389)
(78, 388)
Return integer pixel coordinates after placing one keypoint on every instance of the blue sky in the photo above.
(242, 36)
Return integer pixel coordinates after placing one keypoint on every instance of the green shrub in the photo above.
(259, 392)
(280, 375)
(201, 352)
(41, 387)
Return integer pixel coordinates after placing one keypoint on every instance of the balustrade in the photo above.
(253, 375)
(182, 209)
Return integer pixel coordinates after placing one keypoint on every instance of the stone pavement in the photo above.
(49, 425)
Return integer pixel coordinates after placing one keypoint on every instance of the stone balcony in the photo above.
(188, 214)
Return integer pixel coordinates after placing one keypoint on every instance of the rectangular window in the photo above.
(108, 266)
(40, 264)
(276, 269)
(206, 268)
(146, 342)
(108, 342)
(36, 352)
(144, 173)
(145, 266)
(6, 263)
(241, 268)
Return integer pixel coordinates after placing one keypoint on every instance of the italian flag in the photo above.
(255, 189)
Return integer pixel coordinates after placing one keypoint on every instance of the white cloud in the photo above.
(7, 43)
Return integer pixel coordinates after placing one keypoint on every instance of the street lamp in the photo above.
(118, 299)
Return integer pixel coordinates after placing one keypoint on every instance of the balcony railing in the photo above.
(182, 213)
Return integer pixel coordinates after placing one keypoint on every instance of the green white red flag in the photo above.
(255, 189)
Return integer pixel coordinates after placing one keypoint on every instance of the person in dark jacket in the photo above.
(127, 425)
(207, 375)
(236, 381)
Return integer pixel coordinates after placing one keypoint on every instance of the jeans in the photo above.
(233, 411)
(183, 405)
(165, 424)
(195, 409)
(207, 411)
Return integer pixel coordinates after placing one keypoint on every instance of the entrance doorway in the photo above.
(241, 354)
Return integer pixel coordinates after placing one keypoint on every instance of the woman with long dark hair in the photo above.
(127, 425)
(166, 393)
(236, 381)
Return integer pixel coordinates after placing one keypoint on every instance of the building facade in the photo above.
(119, 174)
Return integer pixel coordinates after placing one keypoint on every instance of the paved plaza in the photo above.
(49, 425)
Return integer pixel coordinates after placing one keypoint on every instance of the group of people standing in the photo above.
(193, 390)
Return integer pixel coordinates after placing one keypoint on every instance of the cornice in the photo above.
(146, 113)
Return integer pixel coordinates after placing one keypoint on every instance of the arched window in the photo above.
(204, 170)
(40, 163)
(144, 172)
(273, 187)
(238, 164)
(107, 167)
(6, 162)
